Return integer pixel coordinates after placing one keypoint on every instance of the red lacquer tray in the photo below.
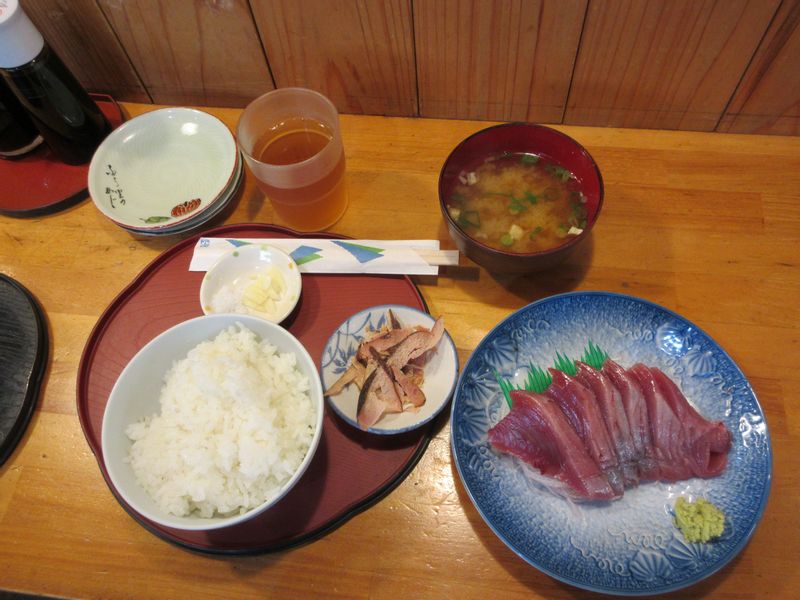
(38, 183)
(351, 469)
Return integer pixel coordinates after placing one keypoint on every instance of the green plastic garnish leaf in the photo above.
(538, 379)
(564, 364)
(505, 387)
(594, 356)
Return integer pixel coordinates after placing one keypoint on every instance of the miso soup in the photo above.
(519, 202)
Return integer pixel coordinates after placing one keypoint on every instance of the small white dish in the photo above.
(162, 168)
(253, 279)
(441, 369)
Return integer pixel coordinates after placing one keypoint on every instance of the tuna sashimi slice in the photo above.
(537, 432)
(666, 429)
(638, 420)
(579, 405)
(706, 442)
(610, 402)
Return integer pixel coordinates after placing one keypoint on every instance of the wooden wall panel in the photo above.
(503, 60)
(664, 64)
(82, 38)
(768, 98)
(192, 52)
(359, 53)
(725, 65)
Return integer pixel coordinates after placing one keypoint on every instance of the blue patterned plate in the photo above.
(628, 546)
(441, 369)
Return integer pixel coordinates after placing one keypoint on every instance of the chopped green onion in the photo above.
(469, 217)
(559, 172)
(506, 239)
(531, 197)
(516, 206)
(576, 196)
(578, 218)
(534, 233)
(529, 159)
(457, 197)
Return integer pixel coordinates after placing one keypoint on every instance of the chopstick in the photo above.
(325, 255)
(438, 258)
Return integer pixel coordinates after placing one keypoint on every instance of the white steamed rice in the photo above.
(236, 421)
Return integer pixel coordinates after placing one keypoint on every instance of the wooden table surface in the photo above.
(707, 225)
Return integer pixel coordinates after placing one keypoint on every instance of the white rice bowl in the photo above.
(212, 422)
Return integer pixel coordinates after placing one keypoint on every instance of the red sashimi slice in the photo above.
(638, 420)
(706, 442)
(579, 405)
(537, 432)
(609, 400)
(666, 429)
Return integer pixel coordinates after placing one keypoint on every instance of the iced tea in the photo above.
(313, 206)
(291, 141)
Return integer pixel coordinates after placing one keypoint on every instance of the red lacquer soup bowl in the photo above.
(542, 142)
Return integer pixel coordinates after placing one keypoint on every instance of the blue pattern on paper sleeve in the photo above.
(362, 254)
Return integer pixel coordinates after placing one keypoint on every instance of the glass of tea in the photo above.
(291, 142)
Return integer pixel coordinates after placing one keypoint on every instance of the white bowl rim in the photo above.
(207, 524)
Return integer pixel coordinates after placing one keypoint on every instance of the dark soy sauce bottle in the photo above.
(18, 135)
(69, 121)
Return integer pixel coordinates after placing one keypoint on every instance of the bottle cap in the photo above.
(20, 41)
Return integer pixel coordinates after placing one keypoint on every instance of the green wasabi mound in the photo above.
(699, 521)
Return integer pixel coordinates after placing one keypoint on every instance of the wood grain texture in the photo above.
(83, 39)
(193, 52)
(704, 224)
(359, 53)
(508, 60)
(663, 65)
(768, 97)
